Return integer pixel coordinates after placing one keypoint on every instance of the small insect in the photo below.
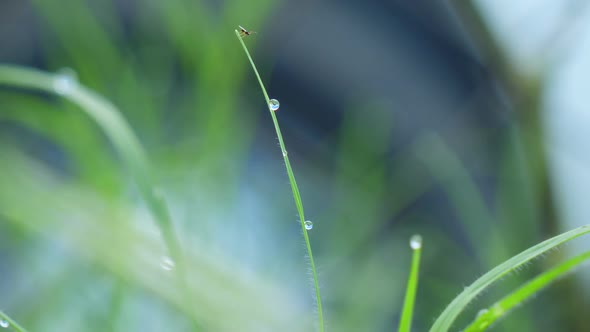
(244, 32)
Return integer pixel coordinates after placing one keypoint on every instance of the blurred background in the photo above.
(463, 121)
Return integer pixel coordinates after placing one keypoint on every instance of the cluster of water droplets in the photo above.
(4, 323)
(274, 104)
(65, 81)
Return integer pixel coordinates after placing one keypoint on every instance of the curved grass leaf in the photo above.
(502, 307)
(110, 120)
(452, 311)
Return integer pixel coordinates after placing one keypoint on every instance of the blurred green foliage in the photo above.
(80, 252)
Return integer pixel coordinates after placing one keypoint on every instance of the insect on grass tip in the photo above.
(244, 32)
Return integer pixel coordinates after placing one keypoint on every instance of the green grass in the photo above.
(445, 321)
(487, 317)
(110, 120)
(294, 187)
(220, 286)
(405, 324)
(114, 126)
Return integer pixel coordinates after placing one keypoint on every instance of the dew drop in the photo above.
(482, 312)
(65, 81)
(416, 242)
(308, 225)
(4, 323)
(284, 153)
(273, 104)
(498, 310)
(167, 263)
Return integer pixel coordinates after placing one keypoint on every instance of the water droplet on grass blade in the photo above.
(483, 325)
(167, 263)
(416, 242)
(274, 104)
(65, 81)
(284, 153)
(482, 312)
(4, 323)
(486, 320)
(308, 225)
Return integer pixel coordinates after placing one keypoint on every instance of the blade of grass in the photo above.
(405, 324)
(12, 323)
(294, 187)
(120, 134)
(114, 126)
(502, 307)
(110, 120)
(452, 311)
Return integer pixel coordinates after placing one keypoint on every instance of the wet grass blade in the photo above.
(294, 187)
(488, 316)
(445, 320)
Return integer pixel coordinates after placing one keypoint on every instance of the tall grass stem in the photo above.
(294, 186)
(445, 320)
(120, 134)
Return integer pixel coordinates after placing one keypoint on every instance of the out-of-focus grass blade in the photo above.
(488, 316)
(110, 120)
(448, 316)
(224, 295)
(407, 313)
